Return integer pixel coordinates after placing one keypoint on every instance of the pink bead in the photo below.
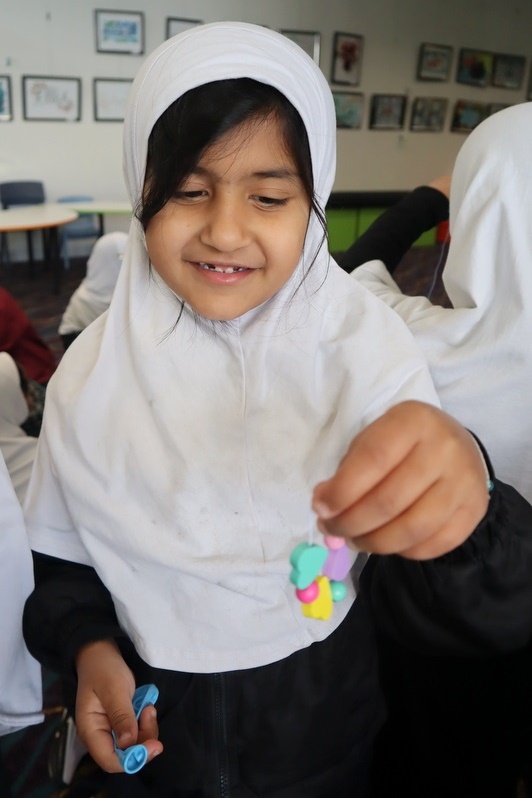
(308, 594)
(333, 542)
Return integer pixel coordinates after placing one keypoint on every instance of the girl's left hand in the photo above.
(412, 483)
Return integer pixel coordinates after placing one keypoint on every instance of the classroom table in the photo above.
(100, 208)
(46, 216)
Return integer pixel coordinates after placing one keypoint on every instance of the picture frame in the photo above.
(51, 99)
(347, 58)
(434, 62)
(175, 25)
(508, 71)
(6, 103)
(387, 111)
(119, 32)
(309, 41)
(467, 115)
(349, 107)
(110, 97)
(493, 108)
(475, 67)
(428, 114)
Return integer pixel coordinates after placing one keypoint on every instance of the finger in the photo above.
(376, 451)
(148, 726)
(94, 731)
(447, 538)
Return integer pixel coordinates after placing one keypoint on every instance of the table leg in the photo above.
(55, 260)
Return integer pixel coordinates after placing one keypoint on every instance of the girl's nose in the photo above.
(226, 226)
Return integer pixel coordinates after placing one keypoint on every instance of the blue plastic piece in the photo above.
(135, 757)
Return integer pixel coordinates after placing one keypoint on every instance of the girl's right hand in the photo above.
(105, 691)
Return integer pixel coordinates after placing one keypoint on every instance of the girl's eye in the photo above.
(189, 196)
(270, 202)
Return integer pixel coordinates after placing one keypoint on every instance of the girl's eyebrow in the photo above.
(262, 174)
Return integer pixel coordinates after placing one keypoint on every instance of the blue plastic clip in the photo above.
(135, 757)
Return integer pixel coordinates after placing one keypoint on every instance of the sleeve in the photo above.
(473, 601)
(394, 232)
(68, 608)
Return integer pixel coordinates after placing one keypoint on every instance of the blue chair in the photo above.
(22, 192)
(86, 226)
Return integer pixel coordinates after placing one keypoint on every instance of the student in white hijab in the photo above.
(478, 350)
(186, 432)
(93, 295)
(18, 448)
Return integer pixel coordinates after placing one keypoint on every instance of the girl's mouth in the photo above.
(222, 269)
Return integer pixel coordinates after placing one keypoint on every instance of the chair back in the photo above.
(86, 225)
(21, 192)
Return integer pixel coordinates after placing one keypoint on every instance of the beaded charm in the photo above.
(317, 574)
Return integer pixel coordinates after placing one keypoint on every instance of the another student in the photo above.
(240, 387)
(18, 448)
(93, 295)
(19, 337)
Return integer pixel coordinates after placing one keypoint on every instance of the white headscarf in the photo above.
(20, 674)
(480, 351)
(93, 295)
(181, 464)
(18, 449)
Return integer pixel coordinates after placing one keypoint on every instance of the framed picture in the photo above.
(508, 71)
(51, 99)
(494, 107)
(309, 41)
(6, 109)
(348, 107)
(434, 62)
(119, 31)
(387, 111)
(347, 58)
(110, 98)
(475, 67)
(175, 25)
(428, 114)
(467, 115)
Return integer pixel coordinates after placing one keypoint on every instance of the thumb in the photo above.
(123, 722)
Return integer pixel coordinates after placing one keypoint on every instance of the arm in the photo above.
(392, 234)
(453, 575)
(70, 625)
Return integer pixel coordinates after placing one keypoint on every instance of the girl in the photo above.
(254, 369)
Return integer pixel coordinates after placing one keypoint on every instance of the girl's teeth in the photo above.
(229, 270)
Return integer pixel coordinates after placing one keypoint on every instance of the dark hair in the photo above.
(203, 115)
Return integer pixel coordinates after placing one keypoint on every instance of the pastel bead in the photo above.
(338, 591)
(320, 609)
(308, 594)
(333, 542)
(338, 564)
(307, 561)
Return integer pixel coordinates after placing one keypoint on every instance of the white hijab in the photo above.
(181, 464)
(18, 449)
(93, 295)
(20, 674)
(480, 352)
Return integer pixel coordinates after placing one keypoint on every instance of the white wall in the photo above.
(56, 38)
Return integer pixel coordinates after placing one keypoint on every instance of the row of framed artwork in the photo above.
(427, 114)
(475, 67)
(53, 99)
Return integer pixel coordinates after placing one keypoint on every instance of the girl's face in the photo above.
(232, 235)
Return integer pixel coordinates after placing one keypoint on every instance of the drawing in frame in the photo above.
(119, 31)
(349, 107)
(475, 67)
(467, 115)
(6, 108)
(110, 98)
(428, 114)
(175, 25)
(347, 58)
(508, 71)
(387, 111)
(51, 99)
(309, 41)
(434, 62)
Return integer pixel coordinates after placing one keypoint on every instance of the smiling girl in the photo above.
(240, 388)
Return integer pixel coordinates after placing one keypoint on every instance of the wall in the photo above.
(56, 38)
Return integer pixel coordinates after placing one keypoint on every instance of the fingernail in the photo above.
(321, 509)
